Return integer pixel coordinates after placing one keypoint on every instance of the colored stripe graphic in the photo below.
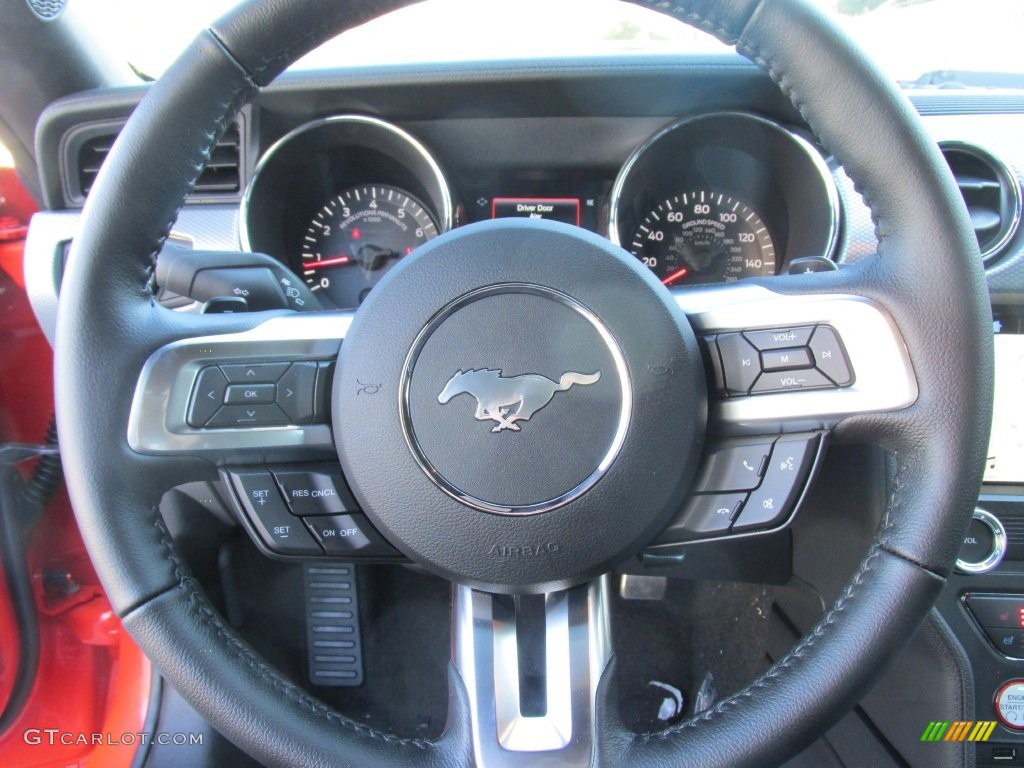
(982, 731)
(935, 731)
(958, 730)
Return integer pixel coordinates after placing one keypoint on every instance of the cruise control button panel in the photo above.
(746, 485)
(305, 511)
(779, 360)
(245, 395)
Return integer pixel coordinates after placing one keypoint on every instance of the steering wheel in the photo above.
(914, 321)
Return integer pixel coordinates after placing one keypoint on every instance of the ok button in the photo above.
(250, 394)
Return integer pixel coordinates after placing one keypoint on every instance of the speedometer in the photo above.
(704, 236)
(357, 236)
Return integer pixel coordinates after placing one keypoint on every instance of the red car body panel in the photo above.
(92, 683)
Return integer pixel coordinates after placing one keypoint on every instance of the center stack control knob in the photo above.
(984, 544)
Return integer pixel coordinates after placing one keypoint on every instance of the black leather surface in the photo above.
(109, 324)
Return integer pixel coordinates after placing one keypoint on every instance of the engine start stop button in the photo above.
(1009, 704)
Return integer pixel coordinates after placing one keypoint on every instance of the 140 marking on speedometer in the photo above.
(704, 236)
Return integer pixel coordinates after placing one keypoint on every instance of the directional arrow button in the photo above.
(248, 416)
(295, 392)
(208, 396)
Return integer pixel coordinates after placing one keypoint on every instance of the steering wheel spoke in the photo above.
(255, 403)
(255, 395)
(785, 369)
(531, 665)
(785, 362)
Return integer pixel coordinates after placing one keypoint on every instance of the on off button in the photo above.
(1009, 704)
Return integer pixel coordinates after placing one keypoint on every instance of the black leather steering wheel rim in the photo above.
(109, 323)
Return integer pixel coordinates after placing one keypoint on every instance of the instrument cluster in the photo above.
(708, 199)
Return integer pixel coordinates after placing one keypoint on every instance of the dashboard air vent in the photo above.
(991, 192)
(91, 155)
(221, 176)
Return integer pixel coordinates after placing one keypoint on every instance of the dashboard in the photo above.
(695, 165)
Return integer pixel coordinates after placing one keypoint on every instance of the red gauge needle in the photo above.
(681, 272)
(327, 262)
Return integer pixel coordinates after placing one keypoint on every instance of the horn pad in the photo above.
(546, 356)
(519, 405)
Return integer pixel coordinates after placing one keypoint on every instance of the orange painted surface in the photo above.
(93, 683)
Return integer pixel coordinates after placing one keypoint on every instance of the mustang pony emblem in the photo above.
(508, 399)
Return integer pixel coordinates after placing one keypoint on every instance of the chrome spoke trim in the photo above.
(884, 378)
(577, 646)
(157, 423)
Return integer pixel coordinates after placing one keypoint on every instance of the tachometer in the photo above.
(357, 236)
(704, 236)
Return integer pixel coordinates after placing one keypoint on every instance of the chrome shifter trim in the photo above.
(517, 732)
(578, 647)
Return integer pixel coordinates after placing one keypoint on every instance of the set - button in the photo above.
(780, 360)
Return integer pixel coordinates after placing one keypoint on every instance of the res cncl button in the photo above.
(315, 492)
